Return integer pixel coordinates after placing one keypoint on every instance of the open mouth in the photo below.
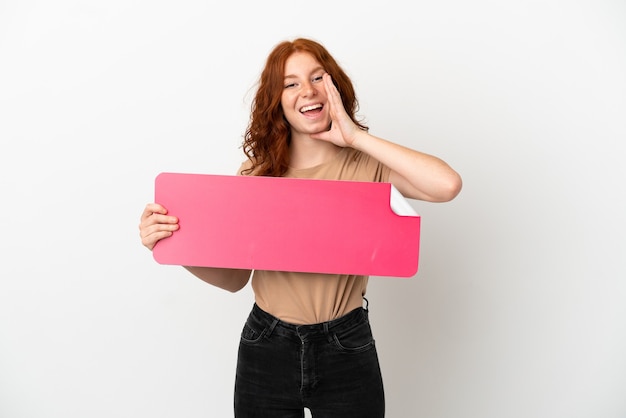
(315, 108)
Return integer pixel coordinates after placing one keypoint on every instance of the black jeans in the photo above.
(331, 368)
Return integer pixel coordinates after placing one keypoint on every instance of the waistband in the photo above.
(355, 316)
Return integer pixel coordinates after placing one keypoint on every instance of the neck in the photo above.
(308, 152)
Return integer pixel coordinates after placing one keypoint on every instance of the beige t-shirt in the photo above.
(310, 298)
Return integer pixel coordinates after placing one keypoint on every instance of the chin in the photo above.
(321, 128)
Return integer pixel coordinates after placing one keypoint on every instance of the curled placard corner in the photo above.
(399, 205)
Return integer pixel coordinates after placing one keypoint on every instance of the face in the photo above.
(303, 99)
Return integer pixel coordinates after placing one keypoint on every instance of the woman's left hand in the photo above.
(343, 130)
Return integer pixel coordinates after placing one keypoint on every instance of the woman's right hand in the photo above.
(155, 225)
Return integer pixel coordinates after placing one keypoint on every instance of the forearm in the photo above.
(232, 280)
(415, 174)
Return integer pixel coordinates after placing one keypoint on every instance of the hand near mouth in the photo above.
(343, 130)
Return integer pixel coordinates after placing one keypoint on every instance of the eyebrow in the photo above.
(312, 72)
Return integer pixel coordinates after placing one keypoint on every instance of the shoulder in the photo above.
(357, 165)
(246, 165)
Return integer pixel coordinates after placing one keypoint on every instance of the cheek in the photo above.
(287, 100)
(288, 104)
(288, 113)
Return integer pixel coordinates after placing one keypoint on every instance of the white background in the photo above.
(519, 305)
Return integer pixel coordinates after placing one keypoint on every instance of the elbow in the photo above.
(450, 188)
(234, 289)
(238, 280)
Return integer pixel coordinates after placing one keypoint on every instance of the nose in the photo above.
(308, 89)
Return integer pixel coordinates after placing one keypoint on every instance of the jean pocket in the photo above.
(354, 340)
(250, 335)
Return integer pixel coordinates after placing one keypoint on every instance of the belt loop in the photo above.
(327, 332)
(367, 304)
(271, 328)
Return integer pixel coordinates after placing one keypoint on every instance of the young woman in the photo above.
(307, 341)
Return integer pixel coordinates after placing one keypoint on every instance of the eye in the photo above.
(317, 79)
(290, 85)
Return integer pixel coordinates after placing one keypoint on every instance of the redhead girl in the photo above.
(307, 342)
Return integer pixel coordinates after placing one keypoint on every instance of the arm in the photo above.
(415, 174)
(156, 225)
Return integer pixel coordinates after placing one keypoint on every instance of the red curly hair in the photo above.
(268, 135)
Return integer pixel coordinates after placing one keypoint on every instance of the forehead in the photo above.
(301, 63)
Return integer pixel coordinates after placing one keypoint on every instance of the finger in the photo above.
(337, 110)
(152, 208)
(331, 90)
(154, 233)
(151, 240)
(157, 218)
(158, 229)
(156, 223)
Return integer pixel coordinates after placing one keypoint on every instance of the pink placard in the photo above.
(287, 224)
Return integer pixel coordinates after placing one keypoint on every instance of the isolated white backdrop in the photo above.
(517, 309)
